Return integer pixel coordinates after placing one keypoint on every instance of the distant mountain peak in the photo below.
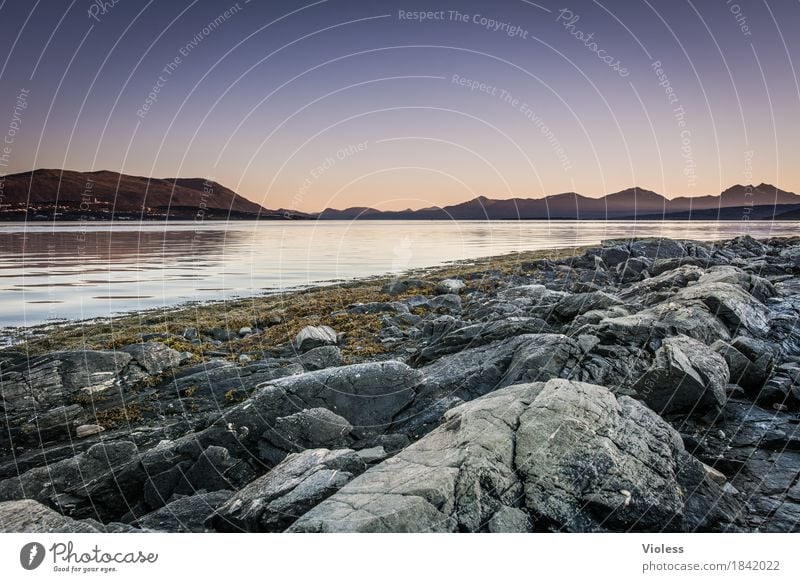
(52, 193)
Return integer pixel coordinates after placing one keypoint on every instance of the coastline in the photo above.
(640, 385)
(107, 333)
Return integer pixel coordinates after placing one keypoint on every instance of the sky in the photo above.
(393, 105)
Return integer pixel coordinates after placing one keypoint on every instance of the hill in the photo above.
(69, 195)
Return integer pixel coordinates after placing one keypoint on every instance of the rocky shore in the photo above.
(644, 385)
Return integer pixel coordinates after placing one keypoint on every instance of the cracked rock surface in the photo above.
(642, 385)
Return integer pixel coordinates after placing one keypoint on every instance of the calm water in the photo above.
(66, 271)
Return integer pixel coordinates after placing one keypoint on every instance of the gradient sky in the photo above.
(274, 100)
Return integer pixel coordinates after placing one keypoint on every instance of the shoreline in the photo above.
(641, 385)
(109, 332)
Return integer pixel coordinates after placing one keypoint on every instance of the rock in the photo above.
(219, 384)
(313, 336)
(448, 286)
(214, 470)
(541, 358)
(101, 483)
(734, 306)
(758, 287)
(53, 424)
(391, 443)
(591, 462)
(416, 301)
(222, 334)
(510, 520)
(275, 317)
(456, 477)
(648, 291)
(154, 357)
(480, 334)
(657, 248)
(633, 269)
(738, 363)
(372, 454)
(715, 475)
(614, 255)
(571, 453)
(496, 309)
(441, 325)
(272, 502)
(29, 516)
(686, 375)
(368, 396)
(531, 293)
(400, 286)
(667, 319)
(663, 265)
(450, 303)
(86, 430)
(312, 428)
(245, 331)
(580, 303)
(750, 374)
(321, 358)
(186, 514)
(454, 378)
(762, 355)
(56, 379)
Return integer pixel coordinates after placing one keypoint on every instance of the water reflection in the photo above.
(69, 271)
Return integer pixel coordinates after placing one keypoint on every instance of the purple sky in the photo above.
(340, 103)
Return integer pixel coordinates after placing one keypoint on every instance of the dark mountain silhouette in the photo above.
(631, 203)
(73, 195)
(69, 195)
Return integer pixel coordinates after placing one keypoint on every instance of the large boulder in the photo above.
(367, 396)
(40, 393)
(592, 462)
(456, 478)
(732, 304)
(101, 483)
(272, 502)
(686, 375)
(565, 455)
(691, 318)
(757, 286)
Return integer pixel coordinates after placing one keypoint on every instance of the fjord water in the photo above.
(77, 271)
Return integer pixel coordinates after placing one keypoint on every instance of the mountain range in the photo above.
(70, 195)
